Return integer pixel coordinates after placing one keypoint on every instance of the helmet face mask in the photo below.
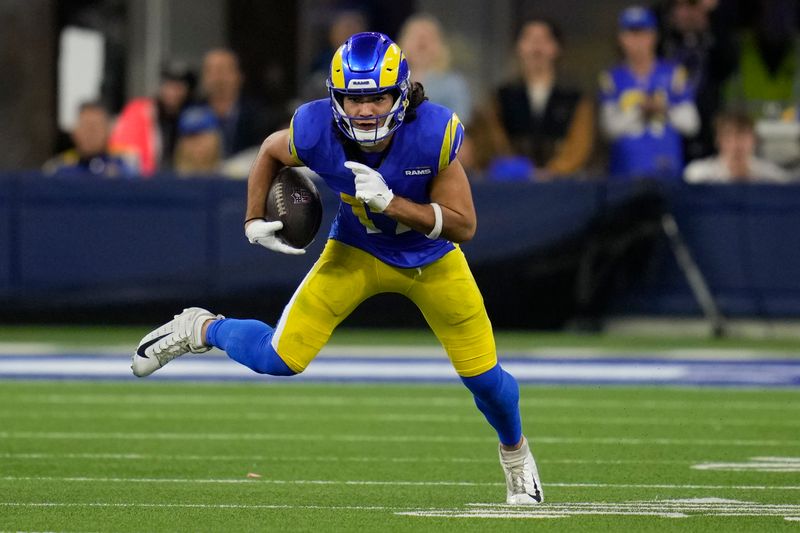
(368, 64)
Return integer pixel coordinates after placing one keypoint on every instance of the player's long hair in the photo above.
(416, 95)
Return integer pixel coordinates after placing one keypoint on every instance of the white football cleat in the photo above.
(522, 478)
(181, 335)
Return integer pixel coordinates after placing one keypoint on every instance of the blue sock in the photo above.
(497, 396)
(249, 343)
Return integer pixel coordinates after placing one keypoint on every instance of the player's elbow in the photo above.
(463, 232)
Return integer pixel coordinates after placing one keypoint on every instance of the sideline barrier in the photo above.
(88, 242)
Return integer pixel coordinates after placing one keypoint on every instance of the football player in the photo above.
(390, 155)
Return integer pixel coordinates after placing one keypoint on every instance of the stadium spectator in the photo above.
(693, 37)
(242, 121)
(647, 104)
(544, 120)
(345, 23)
(483, 141)
(149, 126)
(91, 155)
(423, 41)
(767, 80)
(199, 146)
(736, 161)
(381, 241)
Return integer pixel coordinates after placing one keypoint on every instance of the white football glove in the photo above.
(263, 233)
(370, 186)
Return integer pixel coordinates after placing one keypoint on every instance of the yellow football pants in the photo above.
(344, 276)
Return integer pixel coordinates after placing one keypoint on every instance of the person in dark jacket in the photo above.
(549, 123)
(243, 122)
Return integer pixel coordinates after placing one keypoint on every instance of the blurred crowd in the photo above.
(692, 97)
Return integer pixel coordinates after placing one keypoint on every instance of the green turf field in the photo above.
(167, 456)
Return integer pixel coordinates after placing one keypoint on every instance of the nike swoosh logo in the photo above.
(146, 345)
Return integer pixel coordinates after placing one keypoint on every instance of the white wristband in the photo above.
(437, 224)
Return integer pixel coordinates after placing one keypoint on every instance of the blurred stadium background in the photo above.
(582, 255)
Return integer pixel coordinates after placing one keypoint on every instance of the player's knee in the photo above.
(272, 364)
(268, 361)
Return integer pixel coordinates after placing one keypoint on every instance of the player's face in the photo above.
(368, 106)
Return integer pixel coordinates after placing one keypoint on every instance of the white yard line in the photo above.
(427, 350)
(318, 458)
(682, 509)
(70, 414)
(387, 417)
(614, 441)
(675, 509)
(203, 506)
(294, 397)
(754, 464)
(415, 369)
(396, 483)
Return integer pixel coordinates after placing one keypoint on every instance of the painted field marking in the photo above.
(785, 372)
(613, 441)
(659, 508)
(683, 509)
(291, 397)
(475, 418)
(431, 350)
(202, 506)
(755, 464)
(320, 458)
(395, 483)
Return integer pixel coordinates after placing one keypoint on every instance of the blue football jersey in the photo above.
(656, 151)
(418, 151)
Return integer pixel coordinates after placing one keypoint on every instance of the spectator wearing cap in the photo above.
(91, 155)
(647, 106)
(199, 146)
(148, 126)
(736, 161)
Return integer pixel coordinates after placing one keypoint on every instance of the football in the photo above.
(294, 200)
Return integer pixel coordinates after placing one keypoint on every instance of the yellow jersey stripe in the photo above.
(391, 66)
(337, 73)
(447, 142)
(292, 149)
